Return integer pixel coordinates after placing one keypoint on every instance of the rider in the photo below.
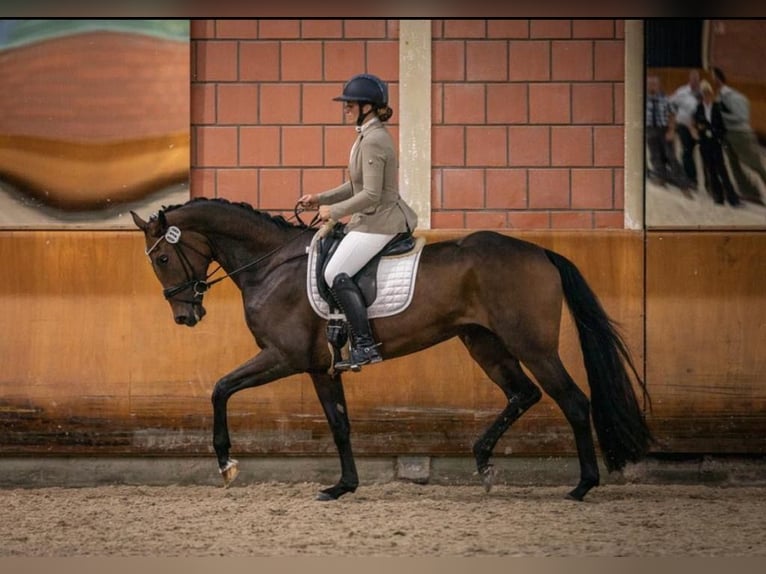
(371, 197)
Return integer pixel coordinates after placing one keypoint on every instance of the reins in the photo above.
(201, 286)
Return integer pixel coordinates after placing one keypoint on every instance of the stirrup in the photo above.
(358, 357)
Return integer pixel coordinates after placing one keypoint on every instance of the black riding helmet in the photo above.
(365, 88)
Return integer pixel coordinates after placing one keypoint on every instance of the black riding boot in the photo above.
(364, 349)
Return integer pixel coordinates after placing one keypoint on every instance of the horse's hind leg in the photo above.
(329, 389)
(506, 372)
(555, 380)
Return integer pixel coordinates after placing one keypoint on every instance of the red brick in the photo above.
(593, 28)
(487, 60)
(464, 104)
(238, 185)
(608, 220)
(216, 146)
(437, 104)
(529, 146)
(592, 103)
(486, 146)
(463, 188)
(302, 146)
(321, 29)
(448, 146)
(364, 28)
(609, 146)
(216, 60)
(507, 103)
(201, 29)
(321, 179)
(437, 29)
(550, 28)
(549, 104)
(280, 103)
(448, 60)
(609, 60)
(486, 220)
(337, 145)
(383, 59)
(202, 183)
(237, 104)
(506, 188)
(301, 61)
(572, 220)
(572, 60)
(592, 188)
(448, 220)
(619, 29)
(572, 146)
(497, 28)
(279, 189)
(343, 59)
(202, 104)
(259, 146)
(465, 28)
(548, 188)
(392, 29)
(529, 61)
(282, 29)
(236, 29)
(259, 61)
(319, 106)
(529, 219)
(436, 188)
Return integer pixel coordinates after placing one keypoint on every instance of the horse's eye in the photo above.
(162, 259)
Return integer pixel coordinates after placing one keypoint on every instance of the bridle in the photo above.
(201, 286)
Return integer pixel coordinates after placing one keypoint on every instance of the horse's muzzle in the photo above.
(191, 319)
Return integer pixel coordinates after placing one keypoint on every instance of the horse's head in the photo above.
(180, 259)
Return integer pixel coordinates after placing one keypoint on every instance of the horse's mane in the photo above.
(277, 220)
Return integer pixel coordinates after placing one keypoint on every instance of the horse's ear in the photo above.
(163, 220)
(140, 223)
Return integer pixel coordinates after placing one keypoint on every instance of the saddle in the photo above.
(367, 277)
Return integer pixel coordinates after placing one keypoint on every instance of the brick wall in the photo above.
(527, 115)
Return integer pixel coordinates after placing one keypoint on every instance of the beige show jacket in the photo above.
(371, 195)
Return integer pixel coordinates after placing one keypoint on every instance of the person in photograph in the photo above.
(685, 100)
(660, 139)
(742, 145)
(711, 131)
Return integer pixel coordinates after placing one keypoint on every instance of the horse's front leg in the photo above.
(329, 389)
(264, 368)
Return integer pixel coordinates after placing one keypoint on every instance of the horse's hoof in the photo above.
(488, 477)
(324, 496)
(579, 492)
(229, 472)
(334, 492)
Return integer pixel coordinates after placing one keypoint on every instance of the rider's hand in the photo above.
(308, 201)
(324, 212)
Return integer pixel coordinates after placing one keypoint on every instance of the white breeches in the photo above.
(354, 252)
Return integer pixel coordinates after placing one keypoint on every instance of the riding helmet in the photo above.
(365, 88)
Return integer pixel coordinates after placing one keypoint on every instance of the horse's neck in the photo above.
(239, 240)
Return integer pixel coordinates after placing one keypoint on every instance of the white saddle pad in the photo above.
(396, 282)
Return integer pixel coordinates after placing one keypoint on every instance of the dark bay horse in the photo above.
(503, 297)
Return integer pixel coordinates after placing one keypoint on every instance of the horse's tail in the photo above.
(619, 421)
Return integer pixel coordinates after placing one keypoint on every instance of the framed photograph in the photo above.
(705, 123)
(94, 120)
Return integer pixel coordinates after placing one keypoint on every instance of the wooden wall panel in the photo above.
(93, 362)
(706, 340)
